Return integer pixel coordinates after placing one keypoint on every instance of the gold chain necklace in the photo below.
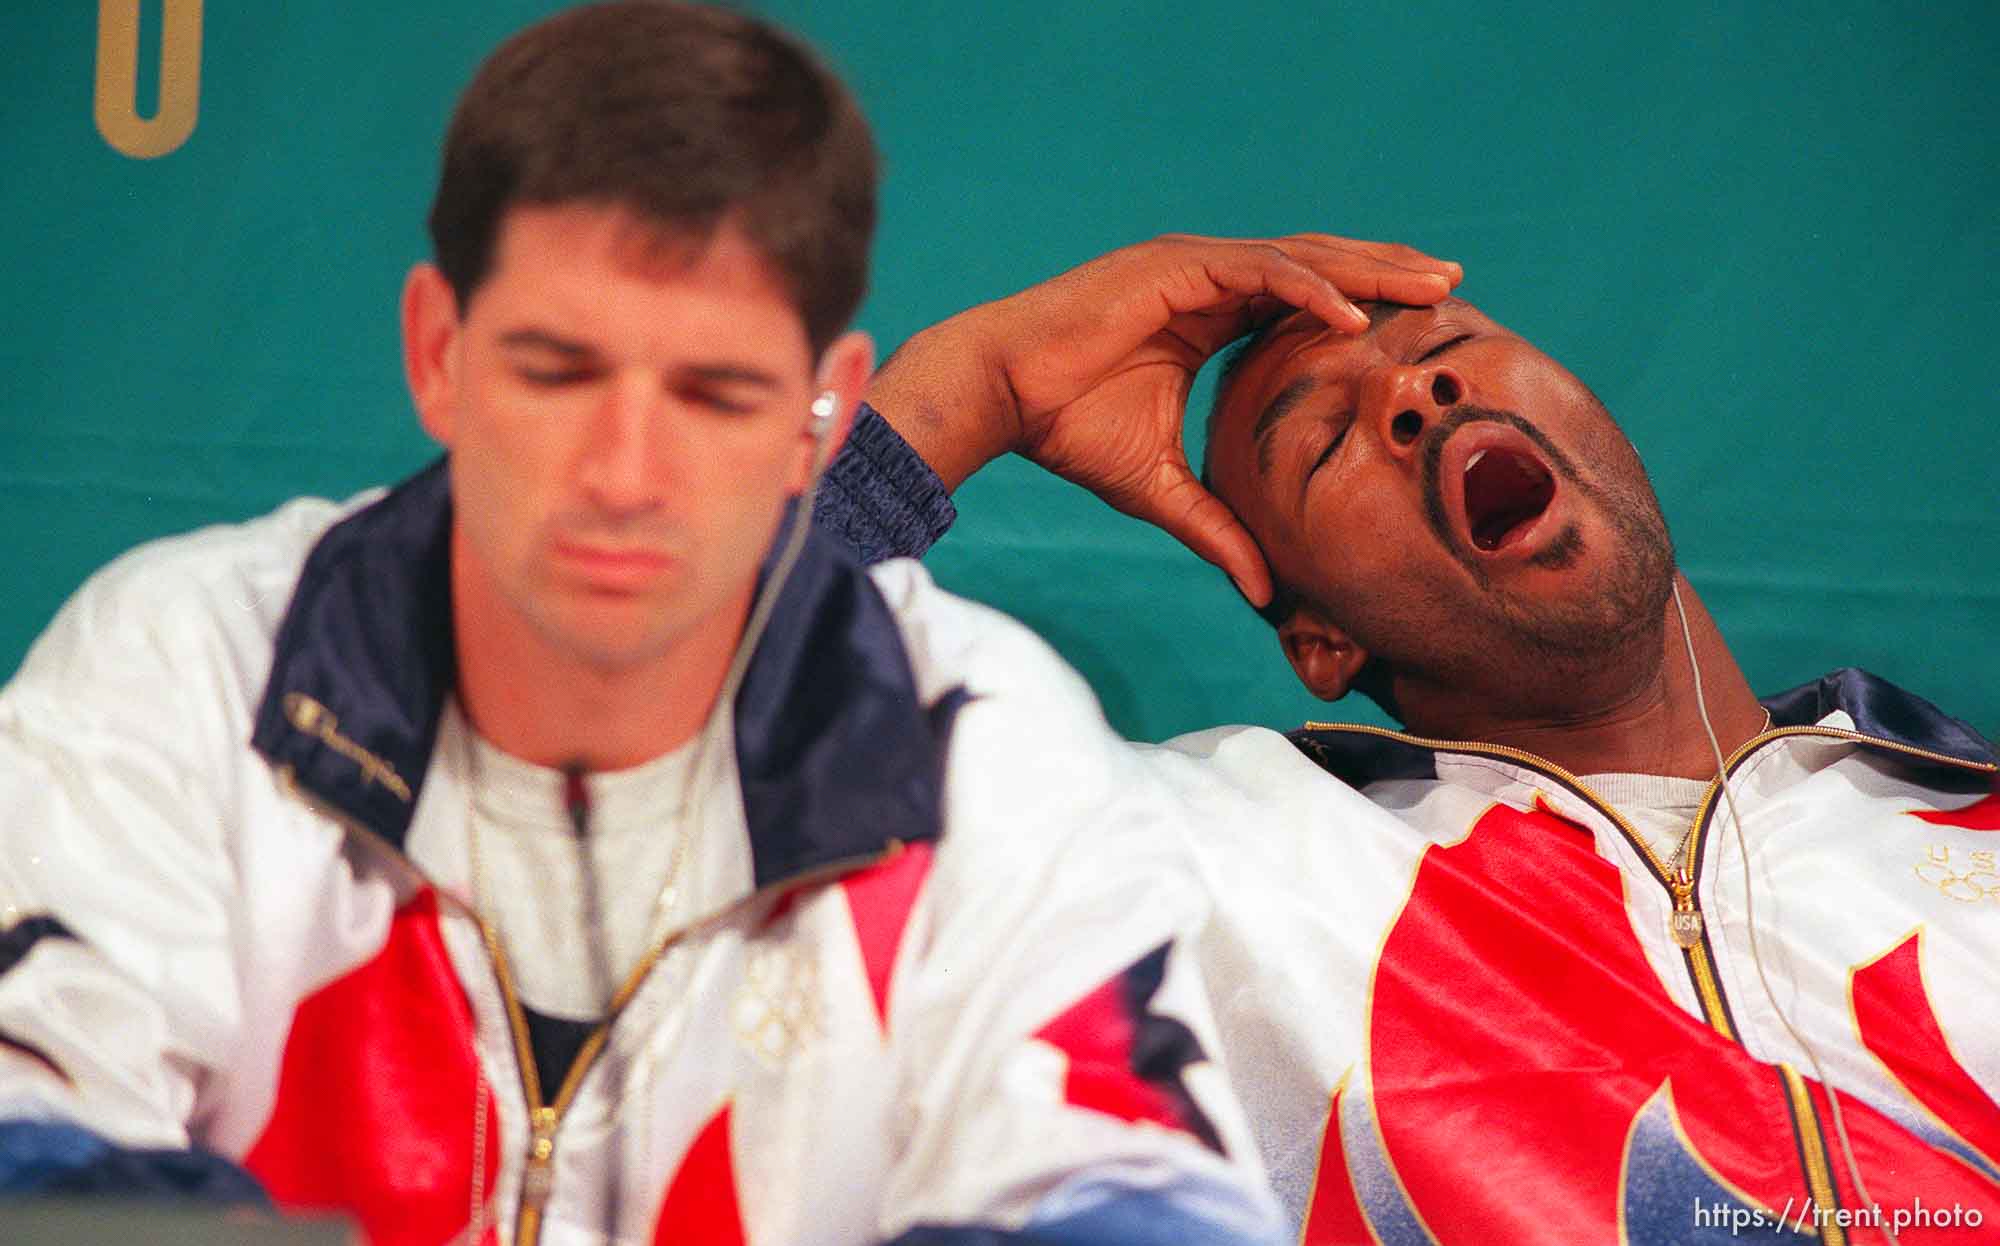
(668, 899)
(1687, 840)
(664, 906)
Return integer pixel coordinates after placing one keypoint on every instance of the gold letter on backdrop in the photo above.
(117, 105)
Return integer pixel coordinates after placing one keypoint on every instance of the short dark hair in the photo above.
(687, 117)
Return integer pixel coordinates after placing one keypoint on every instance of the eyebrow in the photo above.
(540, 339)
(1277, 409)
(709, 373)
(1445, 347)
(734, 373)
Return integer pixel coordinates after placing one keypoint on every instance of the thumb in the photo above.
(1199, 520)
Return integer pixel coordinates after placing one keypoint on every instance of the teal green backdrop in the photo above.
(1763, 233)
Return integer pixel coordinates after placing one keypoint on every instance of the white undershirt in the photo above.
(532, 884)
(1660, 807)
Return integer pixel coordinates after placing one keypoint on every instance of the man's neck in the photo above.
(537, 703)
(1655, 727)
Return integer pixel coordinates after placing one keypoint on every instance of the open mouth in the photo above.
(1505, 491)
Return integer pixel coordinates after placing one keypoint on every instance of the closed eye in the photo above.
(554, 378)
(727, 389)
(1331, 446)
(721, 404)
(722, 396)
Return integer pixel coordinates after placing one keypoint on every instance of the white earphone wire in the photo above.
(1750, 922)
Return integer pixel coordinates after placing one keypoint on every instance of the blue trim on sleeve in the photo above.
(55, 1157)
(33, 1153)
(879, 498)
(1141, 1220)
(1108, 1216)
(967, 1235)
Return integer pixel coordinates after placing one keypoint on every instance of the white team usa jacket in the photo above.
(935, 981)
(1457, 1010)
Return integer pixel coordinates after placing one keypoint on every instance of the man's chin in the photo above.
(1601, 612)
(610, 637)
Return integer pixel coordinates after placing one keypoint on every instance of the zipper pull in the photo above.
(1685, 926)
(576, 800)
(539, 1176)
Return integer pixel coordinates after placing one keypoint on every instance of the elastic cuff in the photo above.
(879, 497)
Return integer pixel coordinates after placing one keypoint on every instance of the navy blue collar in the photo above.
(836, 754)
(1879, 709)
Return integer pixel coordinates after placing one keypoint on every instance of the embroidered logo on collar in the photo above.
(1967, 877)
(319, 722)
(776, 1011)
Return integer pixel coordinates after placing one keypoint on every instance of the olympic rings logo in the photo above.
(1968, 886)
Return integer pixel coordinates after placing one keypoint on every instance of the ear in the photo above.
(430, 349)
(1325, 658)
(843, 372)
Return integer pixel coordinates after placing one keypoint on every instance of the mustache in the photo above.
(1458, 417)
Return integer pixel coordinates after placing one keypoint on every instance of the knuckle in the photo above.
(1273, 254)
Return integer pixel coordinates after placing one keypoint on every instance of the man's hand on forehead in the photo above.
(1088, 373)
(1285, 323)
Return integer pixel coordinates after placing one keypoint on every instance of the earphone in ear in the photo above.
(822, 415)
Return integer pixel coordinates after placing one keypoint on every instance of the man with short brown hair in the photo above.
(565, 839)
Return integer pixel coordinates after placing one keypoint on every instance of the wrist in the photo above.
(946, 392)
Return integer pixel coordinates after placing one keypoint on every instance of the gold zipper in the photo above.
(1856, 737)
(1819, 1175)
(545, 1119)
(1812, 1136)
(1686, 920)
(1523, 757)
(1813, 1155)
(1690, 934)
(538, 1169)
(1736, 758)
(538, 1176)
(1686, 926)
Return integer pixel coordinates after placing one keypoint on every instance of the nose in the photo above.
(622, 443)
(1403, 401)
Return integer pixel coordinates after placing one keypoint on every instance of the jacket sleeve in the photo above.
(879, 498)
(118, 924)
(1056, 1041)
